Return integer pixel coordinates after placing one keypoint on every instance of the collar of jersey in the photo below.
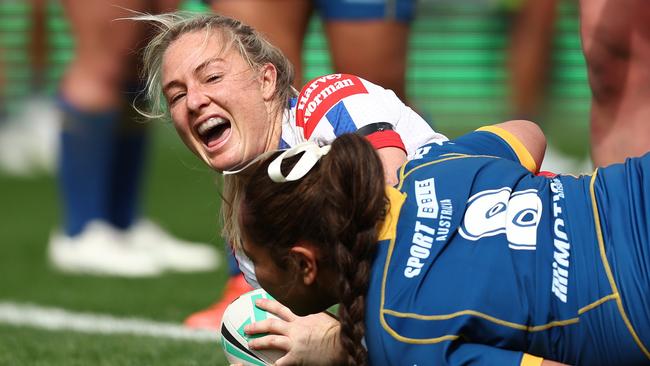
(395, 201)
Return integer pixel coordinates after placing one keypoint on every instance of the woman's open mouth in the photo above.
(214, 131)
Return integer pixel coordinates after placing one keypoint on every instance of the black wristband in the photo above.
(374, 127)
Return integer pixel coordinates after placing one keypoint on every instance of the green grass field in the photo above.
(456, 77)
(180, 194)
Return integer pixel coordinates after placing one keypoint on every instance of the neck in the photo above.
(276, 116)
(329, 293)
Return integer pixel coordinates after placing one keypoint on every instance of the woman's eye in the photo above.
(175, 98)
(213, 78)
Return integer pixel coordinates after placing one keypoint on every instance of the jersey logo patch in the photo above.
(320, 95)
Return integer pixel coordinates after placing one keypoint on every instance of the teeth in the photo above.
(210, 123)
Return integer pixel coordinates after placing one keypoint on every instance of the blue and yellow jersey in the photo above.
(481, 262)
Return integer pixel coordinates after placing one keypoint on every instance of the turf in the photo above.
(37, 347)
(181, 195)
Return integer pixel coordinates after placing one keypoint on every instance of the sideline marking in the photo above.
(52, 318)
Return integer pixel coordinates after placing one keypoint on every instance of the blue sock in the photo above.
(233, 266)
(85, 160)
(128, 165)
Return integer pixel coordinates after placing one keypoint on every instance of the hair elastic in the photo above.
(311, 154)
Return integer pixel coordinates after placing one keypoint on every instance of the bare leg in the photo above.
(37, 46)
(282, 22)
(376, 50)
(616, 44)
(102, 153)
(528, 57)
(104, 51)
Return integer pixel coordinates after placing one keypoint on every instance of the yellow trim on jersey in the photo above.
(478, 314)
(389, 232)
(608, 270)
(596, 303)
(395, 201)
(403, 174)
(525, 158)
(530, 360)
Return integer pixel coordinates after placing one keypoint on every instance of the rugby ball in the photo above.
(234, 341)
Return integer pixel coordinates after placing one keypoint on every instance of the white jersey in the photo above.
(332, 105)
(335, 104)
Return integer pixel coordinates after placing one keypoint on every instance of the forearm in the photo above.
(392, 159)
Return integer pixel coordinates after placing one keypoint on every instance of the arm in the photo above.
(530, 135)
(389, 145)
(391, 158)
(519, 140)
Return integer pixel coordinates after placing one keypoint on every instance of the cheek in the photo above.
(182, 130)
(179, 122)
(272, 281)
(186, 136)
(250, 115)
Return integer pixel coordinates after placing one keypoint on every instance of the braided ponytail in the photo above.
(338, 206)
(353, 176)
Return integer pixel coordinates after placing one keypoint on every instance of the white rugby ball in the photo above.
(234, 341)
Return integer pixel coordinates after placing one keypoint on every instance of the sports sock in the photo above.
(86, 154)
(130, 144)
(233, 266)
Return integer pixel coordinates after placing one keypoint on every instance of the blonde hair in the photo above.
(233, 191)
(252, 46)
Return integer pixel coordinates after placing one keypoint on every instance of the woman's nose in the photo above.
(197, 99)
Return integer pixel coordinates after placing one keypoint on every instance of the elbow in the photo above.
(530, 135)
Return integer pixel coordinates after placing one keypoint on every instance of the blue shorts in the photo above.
(399, 10)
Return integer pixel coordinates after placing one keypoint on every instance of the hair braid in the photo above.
(336, 206)
(355, 265)
(364, 204)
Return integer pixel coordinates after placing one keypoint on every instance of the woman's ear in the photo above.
(268, 78)
(304, 257)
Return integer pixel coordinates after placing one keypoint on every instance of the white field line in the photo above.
(59, 319)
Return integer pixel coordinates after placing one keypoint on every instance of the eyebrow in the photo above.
(198, 69)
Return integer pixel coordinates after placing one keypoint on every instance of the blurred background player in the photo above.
(531, 42)
(29, 126)
(367, 39)
(103, 150)
(529, 64)
(616, 45)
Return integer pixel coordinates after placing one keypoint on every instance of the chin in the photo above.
(305, 309)
(219, 166)
(221, 163)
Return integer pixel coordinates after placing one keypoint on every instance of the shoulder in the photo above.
(319, 95)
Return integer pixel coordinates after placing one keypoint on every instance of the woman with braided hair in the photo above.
(229, 94)
(346, 241)
(471, 259)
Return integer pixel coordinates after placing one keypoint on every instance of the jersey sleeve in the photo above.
(335, 104)
(495, 141)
